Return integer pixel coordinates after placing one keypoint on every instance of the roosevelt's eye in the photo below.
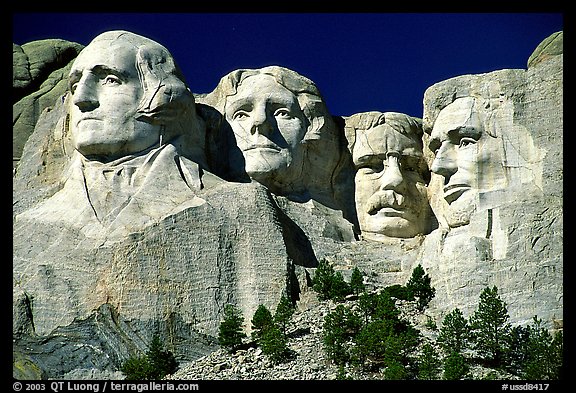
(239, 115)
(111, 80)
(370, 167)
(283, 113)
(466, 142)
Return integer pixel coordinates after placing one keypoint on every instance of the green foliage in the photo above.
(342, 374)
(284, 311)
(137, 368)
(455, 367)
(378, 306)
(420, 287)
(231, 334)
(430, 323)
(340, 326)
(371, 343)
(395, 371)
(162, 361)
(275, 344)
(261, 320)
(155, 364)
(453, 334)
(429, 364)
(545, 353)
(328, 283)
(517, 349)
(270, 331)
(399, 292)
(357, 281)
(490, 327)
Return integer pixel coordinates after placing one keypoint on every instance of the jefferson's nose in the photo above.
(261, 124)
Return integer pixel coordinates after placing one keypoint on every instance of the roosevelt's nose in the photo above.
(84, 95)
(392, 177)
(444, 163)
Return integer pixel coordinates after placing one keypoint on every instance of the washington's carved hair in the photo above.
(167, 100)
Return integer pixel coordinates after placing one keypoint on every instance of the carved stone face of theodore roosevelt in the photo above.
(391, 178)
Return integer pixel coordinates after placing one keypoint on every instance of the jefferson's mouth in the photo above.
(453, 191)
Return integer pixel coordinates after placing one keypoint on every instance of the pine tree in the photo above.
(339, 288)
(161, 361)
(275, 344)
(230, 334)
(429, 363)
(517, 349)
(490, 328)
(357, 281)
(455, 367)
(420, 287)
(261, 320)
(453, 334)
(545, 353)
(155, 364)
(284, 311)
(322, 280)
(328, 283)
(340, 326)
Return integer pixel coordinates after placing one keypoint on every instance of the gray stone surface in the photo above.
(84, 301)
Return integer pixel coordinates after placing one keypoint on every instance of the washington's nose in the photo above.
(84, 96)
(444, 163)
(392, 177)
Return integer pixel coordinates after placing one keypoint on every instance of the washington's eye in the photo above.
(111, 80)
(239, 115)
(466, 142)
(282, 112)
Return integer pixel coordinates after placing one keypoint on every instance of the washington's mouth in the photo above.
(453, 191)
(87, 118)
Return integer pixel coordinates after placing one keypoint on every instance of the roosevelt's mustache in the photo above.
(386, 198)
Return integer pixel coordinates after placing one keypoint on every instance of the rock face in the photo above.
(40, 74)
(101, 264)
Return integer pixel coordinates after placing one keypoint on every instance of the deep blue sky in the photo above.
(359, 61)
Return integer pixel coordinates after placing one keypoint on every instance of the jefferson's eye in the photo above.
(111, 80)
(239, 115)
(466, 142)
(282, 112)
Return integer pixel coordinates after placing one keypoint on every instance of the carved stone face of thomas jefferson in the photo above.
(269, 125)
(106, 93)
(391, 197)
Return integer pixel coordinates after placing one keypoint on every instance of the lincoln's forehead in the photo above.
(454, 115)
